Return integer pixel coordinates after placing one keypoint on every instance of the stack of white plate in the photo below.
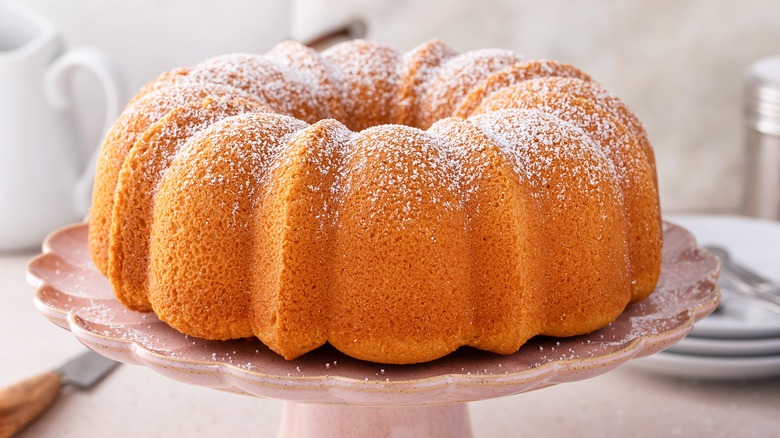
(741, 340)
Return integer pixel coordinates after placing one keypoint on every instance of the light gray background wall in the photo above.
(678, 64)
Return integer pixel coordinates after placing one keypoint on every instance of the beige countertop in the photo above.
(135, 401)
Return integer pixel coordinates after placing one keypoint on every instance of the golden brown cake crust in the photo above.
(589, 110)
(398, 246)
(420, 64)
(144, 167)
(271, 196)
(131, 125)
(515, 74)
(369, 76)
(200, 272)
(292, 307)
(453, 81)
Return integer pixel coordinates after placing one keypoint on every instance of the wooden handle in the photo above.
(352, 30)
(24, 401)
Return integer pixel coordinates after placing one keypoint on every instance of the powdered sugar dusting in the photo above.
(539, 145)
(300, 61)
(166, 79)
(173, 131)
(370, 78)
(324, 158)
(155, 105)
(260, 77)
(592, 91)
(589, 114)
(466, 148)
(402, 168)
(459, 75)
(303, 66)
(137, 118)
(257, 138)
(515, 74)
(240, 148)
(420, 66)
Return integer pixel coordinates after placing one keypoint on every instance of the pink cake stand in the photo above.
(330, 394)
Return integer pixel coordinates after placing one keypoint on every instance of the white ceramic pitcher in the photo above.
(45, 177)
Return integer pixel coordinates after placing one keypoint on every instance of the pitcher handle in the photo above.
(56, 81)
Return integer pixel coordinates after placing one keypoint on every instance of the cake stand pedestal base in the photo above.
(326, 420)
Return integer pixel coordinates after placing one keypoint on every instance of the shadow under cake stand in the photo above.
(331, 394)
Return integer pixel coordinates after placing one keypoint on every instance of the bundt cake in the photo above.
(397, 206)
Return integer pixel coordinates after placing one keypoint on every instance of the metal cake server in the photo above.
(24, 401)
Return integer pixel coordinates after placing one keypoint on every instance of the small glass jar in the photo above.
(762, 138)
